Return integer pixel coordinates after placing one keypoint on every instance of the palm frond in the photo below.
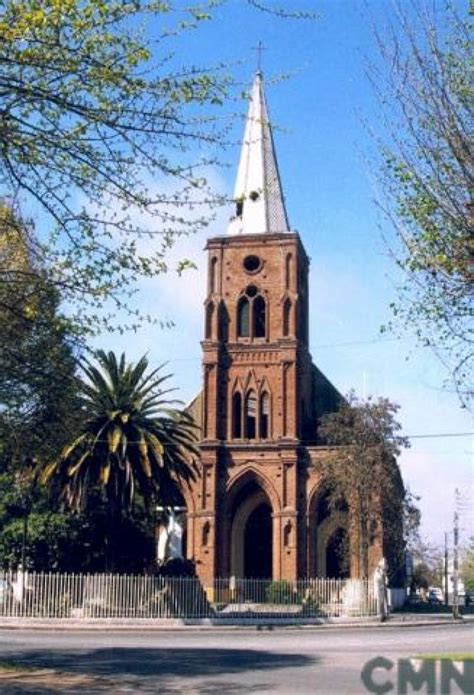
(135, 440)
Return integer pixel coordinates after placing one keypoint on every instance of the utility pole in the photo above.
(446, 587)
(455, 559)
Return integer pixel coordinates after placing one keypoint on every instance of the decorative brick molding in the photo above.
(259, 449)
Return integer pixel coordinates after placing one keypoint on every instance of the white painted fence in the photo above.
(95, 596)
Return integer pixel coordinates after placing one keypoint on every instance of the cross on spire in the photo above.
(259, 48)
(260, 205)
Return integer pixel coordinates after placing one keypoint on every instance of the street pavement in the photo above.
(209, 662)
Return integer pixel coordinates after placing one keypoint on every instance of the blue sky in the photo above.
(322, 147)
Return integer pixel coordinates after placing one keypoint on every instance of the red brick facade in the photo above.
(256, 508)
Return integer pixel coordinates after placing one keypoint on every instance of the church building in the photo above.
(260, 506)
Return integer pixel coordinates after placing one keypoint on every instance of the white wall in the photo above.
(397, 598)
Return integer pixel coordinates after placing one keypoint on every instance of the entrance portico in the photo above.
(252, 536)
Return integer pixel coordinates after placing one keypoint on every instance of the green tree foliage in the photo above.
(51, 542)
(133, 441)
(423, 577)
(134, 446)
(360, 468)
(428, 565)
(31, 531)
(37, 362)
(34, 531)
(424, 85)
(38, 406)
(467, 566)
(89, 119)
(103, 129)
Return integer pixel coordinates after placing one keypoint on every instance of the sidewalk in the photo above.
(396, 620)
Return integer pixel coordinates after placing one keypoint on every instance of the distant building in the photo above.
(260, 508)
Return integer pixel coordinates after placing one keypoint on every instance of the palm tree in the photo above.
(134, 442)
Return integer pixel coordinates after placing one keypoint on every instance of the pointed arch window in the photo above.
(251, 415)
(264, 419)
(237, 416)
(243, 318)
(259, 317)
(251, 314)
(286, 317)
(209, 320)
(222, 322)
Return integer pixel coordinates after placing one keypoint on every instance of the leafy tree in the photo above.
(361, 468)
(50, 539)
(37, 398)
(422, 578)
(428, 565)
(89, 118)
(467, 566)
(134, 443)
(32, 532)
(94, 106)
(411, 520)
(425, 91)
(37, 361)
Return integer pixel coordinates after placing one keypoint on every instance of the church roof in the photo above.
(260, 205)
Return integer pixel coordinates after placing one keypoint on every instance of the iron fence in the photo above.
(96, 596)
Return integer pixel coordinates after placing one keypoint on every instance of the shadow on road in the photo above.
(142, 670)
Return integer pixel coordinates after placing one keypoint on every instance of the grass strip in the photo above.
(446, 657)
(13, 666)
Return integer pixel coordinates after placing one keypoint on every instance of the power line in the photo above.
(411, 436)
(438, 435)
(322, 346)
(350, 343)
(313, 347)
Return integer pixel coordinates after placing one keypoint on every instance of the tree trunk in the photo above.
(365, 548)
(363, 536)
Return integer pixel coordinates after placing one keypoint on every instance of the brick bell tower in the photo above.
(259, 508)
(256, 403)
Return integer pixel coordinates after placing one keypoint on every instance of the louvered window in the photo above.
(264, 415)
(251, 415)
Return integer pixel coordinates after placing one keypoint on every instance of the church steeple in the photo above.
(260, 206)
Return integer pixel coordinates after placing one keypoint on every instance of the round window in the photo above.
(251, 291)
(252, 264)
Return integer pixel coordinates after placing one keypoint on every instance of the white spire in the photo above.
(260, 207)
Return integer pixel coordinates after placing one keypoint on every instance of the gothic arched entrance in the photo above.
(337, 554)
(251, 539)
(258, 543)
(329, 552)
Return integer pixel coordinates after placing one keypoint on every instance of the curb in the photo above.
(198, 626)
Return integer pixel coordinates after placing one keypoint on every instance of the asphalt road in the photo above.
(233, 662)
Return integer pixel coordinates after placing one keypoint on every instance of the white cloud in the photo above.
(176, 298)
